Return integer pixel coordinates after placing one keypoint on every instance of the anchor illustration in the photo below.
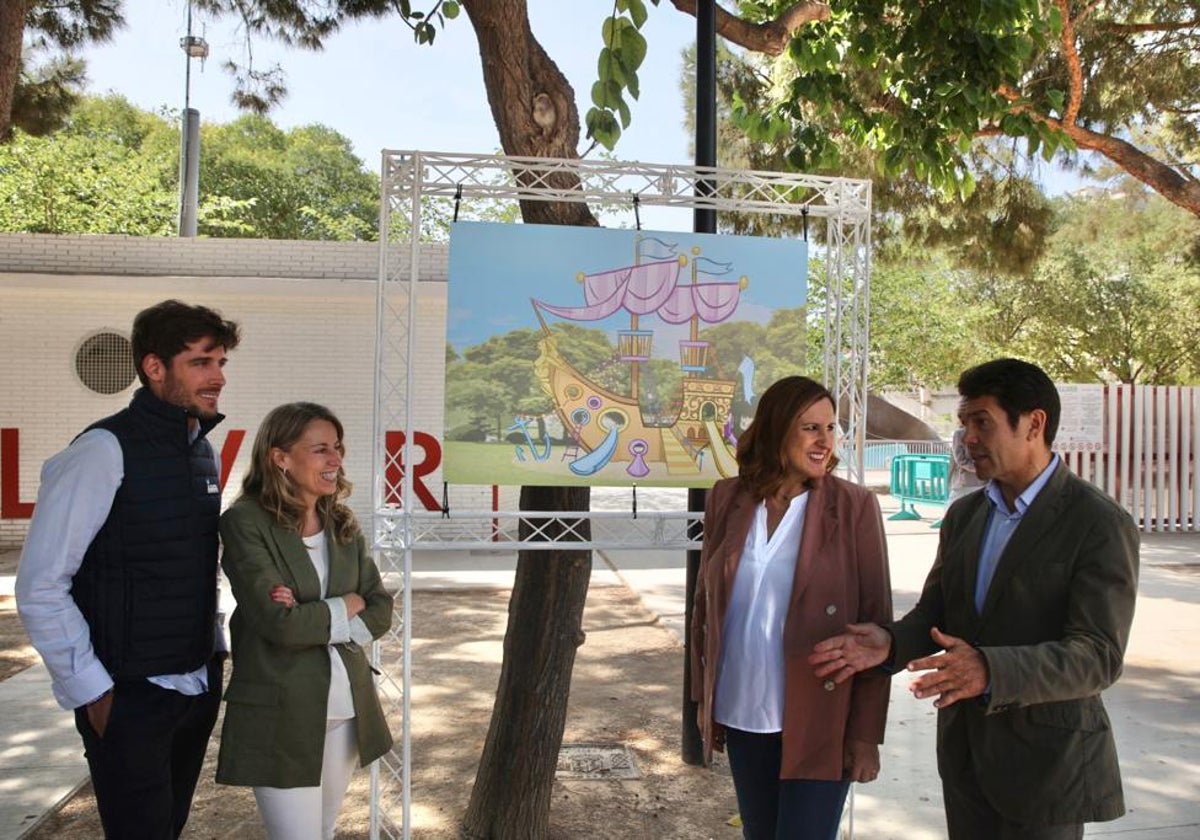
(521, 424)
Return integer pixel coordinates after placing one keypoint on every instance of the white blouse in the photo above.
(341, 702)
(750, 677)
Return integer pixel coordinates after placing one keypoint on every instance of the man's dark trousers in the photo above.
(969, 816)
(144, 770)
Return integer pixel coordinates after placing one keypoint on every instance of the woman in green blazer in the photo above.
(301, 708)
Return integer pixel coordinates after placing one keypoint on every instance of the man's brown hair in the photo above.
(166, 328)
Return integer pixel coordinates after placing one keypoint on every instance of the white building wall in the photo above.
(307, 311)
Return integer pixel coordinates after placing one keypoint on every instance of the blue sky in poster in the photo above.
(496, 268)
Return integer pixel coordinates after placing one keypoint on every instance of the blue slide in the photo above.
(595, 460)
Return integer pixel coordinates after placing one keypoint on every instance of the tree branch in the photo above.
(1160, 177)
(1087, 10)
(1138, 28)
(1071, 54)
(770, 37)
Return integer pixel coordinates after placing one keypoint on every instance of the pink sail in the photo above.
(711, 302)
(649, 289)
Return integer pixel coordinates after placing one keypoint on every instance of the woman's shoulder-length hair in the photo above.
(273, 490)
(762, 466)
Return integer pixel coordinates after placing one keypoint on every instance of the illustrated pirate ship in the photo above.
(607, 427)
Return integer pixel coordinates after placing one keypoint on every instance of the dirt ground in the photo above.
(16, 654)
(626, 689)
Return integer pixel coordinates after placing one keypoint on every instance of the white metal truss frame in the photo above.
(410, 177)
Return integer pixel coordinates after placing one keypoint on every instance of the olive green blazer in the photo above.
(274, 730)
(1053, 631)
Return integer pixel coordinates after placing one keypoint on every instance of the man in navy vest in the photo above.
(117, 583)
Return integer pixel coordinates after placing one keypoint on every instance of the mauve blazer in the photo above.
(841, 577)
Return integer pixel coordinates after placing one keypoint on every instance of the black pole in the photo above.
(704, 221)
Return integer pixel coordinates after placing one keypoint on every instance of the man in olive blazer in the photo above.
(1031, 598)
(274, 730)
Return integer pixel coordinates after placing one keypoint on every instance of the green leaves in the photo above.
(1057, 102)
(911, 83)
(636, 9)
(616, 70)
(1107, 297)
(425, 25)
(115, 169)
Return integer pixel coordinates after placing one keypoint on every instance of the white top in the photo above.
(750, 678)
(78, 486)
(341, 703)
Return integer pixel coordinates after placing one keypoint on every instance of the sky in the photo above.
(376, 86)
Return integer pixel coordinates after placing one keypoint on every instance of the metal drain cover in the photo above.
(596, 762)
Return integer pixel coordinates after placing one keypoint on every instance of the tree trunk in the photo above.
(532, 103)
(534, 110)
(12, 32)
(511, 797)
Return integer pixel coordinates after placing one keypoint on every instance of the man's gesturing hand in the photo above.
(862, 646)
(959, 673)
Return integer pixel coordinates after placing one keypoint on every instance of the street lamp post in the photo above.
(189, 151)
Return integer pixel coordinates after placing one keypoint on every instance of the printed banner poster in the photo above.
(609, 357)
(1081, 420)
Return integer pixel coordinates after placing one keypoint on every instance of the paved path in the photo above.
(1155, 707)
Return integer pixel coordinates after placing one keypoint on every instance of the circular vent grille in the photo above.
(104, 363)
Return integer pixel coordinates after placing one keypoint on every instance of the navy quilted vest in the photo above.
(148, 582)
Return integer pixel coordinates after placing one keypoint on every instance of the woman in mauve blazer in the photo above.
(301, 708)
(791, 555)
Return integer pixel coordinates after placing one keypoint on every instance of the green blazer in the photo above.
(274, 730)
(1053, 631)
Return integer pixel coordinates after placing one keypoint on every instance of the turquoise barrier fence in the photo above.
(920, 479)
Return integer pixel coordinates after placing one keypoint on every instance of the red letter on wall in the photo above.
(393, 474)
(11, 506)
(229, 452)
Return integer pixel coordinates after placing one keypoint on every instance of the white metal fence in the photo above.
(1146, 459)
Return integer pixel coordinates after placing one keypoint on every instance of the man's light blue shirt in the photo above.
(78, 486)
(1000, 527)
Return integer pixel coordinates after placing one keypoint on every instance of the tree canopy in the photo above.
(1116, 295)
(113, 168)
(1113, 298)
(916, 83)
(40, 77)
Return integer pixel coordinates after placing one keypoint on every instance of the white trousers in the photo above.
(310, 813)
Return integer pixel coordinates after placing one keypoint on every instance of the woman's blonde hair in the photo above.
(273, 489)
